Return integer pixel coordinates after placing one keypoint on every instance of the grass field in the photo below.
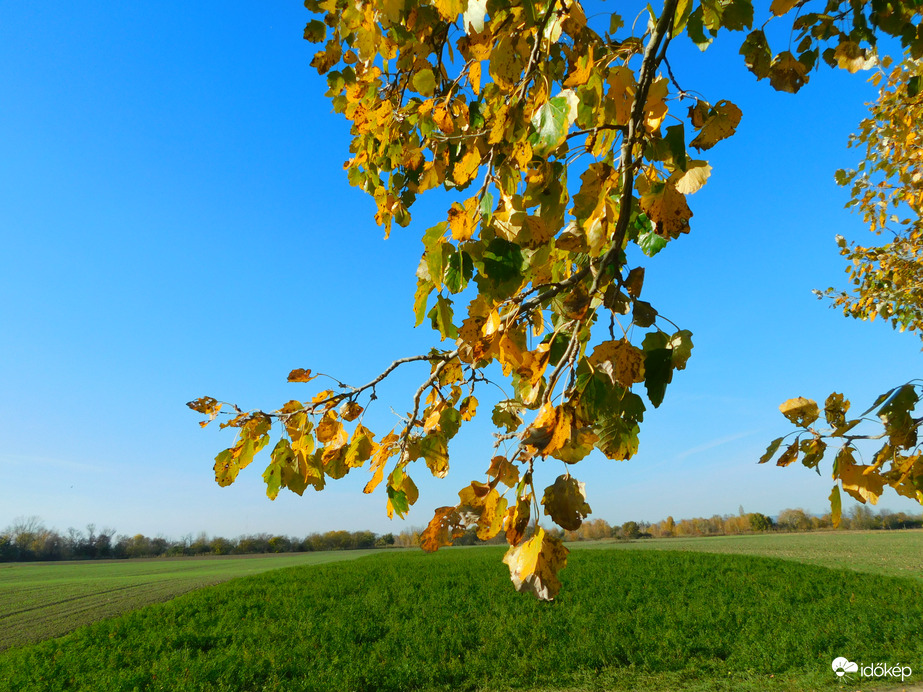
(893, 553)
(42, 600)
(625, 620)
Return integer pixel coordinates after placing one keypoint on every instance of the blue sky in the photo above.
(175, 222)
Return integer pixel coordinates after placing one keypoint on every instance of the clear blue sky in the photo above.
(175, 222)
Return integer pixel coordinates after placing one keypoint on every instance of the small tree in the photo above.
(759, 522)
(630, 530)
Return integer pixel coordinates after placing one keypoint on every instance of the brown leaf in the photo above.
(300, 375)
(565, 502)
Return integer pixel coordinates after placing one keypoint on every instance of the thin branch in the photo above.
(535, 49)
(446, 359)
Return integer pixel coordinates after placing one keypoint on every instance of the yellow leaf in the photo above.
(361, 447)
(550, 430)
(656, 106)
(800, 411)
(466, 168)
(581, 72)
(511, 356)
(862, 482)
(350, 411)
(721, 123)
(328, 428)
(623, 362)
(434, 450)
(443, 119)
(517, 520)
(579, 445)
(667, 208)
(392, 10)
(468, 408)
(565, 502)
(621, 94)
(506, 64)
(849, 56)
(385, 451)
(485, 503)
(692, 179)
(474, 77)
(522, 153)
(535, 564)
(504, 471)
(539, 231)
(463, 219)
(449, 9)
(780, 7)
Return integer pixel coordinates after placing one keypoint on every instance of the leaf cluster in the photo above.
(528, 274)
(897, 464)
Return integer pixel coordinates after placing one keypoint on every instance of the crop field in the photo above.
(894, 553)
(625, 620)
(42, 600)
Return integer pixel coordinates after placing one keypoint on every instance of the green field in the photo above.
(42, 600)
(894, 553)
(625, 620)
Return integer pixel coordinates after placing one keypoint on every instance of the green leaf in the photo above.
(658, 366)
(399, 501)
(643, 313)
(441, 318)
(681, 346)
(459, 271)
(281, 455)
(434, 450)
(658, 373)
(695, 29)
(618, 438)
(421, 299)
(424, 82)
(502, 263)
(506, 415)
(770, 450)
(878, 401)
(552, 121)
(738, 15)
(315, 31)
(757, 56)
(651, 243)
(913, 86)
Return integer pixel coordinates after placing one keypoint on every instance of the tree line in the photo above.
(860, 518)
(28, 539)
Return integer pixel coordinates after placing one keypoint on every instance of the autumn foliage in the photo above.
(566, 139)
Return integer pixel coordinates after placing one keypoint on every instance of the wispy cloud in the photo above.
(713, 443)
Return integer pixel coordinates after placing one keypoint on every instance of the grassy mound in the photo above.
(451, 621)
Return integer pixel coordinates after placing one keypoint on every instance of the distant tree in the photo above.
(759, 522)
(630, 530)
(280, 544)
(793, 520)
(385, 541)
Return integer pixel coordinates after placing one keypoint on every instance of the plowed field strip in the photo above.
(38, 601)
